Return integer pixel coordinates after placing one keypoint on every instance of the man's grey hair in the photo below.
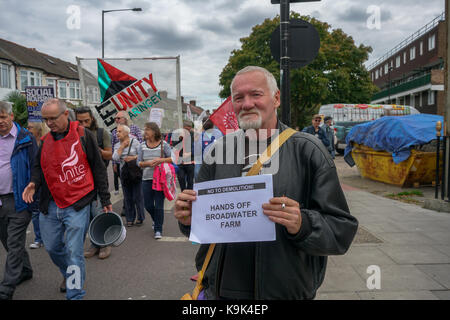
(62, 106)
(125, 127)
(126, 116)
(6, 107)
(271, 82)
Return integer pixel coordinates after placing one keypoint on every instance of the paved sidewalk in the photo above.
(409, 244)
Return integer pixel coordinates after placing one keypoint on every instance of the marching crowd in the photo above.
(57, 209)
(55, 175)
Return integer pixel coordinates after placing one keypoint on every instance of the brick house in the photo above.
(21, 67)
(195, 110)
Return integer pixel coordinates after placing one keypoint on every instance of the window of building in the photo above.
(52, 83)
(412, 53)
(431, 97)
(376, 74)
(94, 96)
(381, 72)
(62, 89)
(5, 75)
(74, 90)
(404, 57)
(386, 68)
(421, 48)
(30, 78)
(397, 62)
(69, 89)
(431, 42)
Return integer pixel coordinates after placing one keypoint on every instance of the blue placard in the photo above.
(36, 96)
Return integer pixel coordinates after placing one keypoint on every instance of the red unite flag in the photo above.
(224, 117)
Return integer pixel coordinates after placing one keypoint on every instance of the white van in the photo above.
(345, 116)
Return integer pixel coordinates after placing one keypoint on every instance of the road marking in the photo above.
(137, 298)
(174, 239)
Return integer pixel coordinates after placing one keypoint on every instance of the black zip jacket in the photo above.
(293, 266)
(90, 148)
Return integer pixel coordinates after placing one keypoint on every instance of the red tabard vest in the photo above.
(66, 168)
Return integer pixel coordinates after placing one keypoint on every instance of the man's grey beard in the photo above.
(250, 124)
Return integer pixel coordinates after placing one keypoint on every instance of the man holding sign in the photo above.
(308, 208)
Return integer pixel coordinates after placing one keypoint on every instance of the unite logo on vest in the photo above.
(66, 168)
(74, 172)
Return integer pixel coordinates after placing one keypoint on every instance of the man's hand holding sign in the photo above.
(288, 215)
(183, 206)
(284, 211)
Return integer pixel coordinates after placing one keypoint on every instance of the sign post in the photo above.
(285, 58)
(285, 72)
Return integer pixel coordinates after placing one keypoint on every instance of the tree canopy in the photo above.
(337, 75)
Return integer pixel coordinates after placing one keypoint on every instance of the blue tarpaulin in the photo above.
(394, 134)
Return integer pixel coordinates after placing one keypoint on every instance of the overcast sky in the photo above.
(202, 32)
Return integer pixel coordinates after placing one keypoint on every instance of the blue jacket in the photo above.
(322, 135)
(22, 157)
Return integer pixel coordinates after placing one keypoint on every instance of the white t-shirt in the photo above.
(146, 153)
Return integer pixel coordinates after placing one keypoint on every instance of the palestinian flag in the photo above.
(111, 80)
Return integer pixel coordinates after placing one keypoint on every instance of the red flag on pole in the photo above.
(224, 117)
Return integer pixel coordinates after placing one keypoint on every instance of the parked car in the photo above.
(345, 116)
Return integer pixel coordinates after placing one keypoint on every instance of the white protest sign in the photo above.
(230, 210)
(156, 116)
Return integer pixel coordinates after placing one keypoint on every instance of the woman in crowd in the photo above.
(126, 151)
(152, 152)
(38, 129)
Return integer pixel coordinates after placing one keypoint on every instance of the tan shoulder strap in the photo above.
(271, 149)
(201, 273)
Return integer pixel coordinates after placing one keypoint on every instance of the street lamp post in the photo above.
(103, 25)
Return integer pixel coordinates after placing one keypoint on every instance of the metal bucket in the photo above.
(107, 229)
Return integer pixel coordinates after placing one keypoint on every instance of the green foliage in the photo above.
(406, 196)
(337, 75)
(408, 193)
(20, 109)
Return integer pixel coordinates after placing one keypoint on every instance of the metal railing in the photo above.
(430, 25)
(406, 86)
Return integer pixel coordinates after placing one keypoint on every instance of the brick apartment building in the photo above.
(412, 73)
